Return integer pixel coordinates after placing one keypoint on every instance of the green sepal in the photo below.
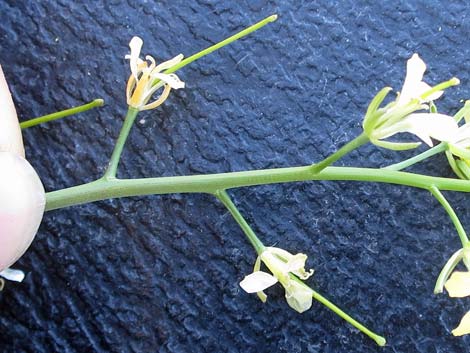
(464, 168)
(371, 117)
(453, 165)
(447, 270)
(399, 113)
(459, 151)
(464, 112)
(396, 146)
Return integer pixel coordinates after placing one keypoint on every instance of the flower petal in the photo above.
(152, 62)
(458, 285)
(296, 265)
(464, 326)
(170, 79)
(412, 88)
(298, 296)
(462, 137)
(169, 63)
(426, 125)
(423, 87)
(257, 281)
(136, 46)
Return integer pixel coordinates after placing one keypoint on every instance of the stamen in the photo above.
(152, 60)
(160, 100)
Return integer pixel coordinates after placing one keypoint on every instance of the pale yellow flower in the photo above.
(283, 265)
(423, 125)
(142, 83)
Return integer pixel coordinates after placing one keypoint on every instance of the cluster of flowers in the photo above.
(398, 116)
(23, 198)
(401, 115)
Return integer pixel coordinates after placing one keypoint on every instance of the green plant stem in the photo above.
(221, 44)
(121, 141)
(132, 112)
(254, 240)
(378, 339)
(453, 216)
(62, 114)
(350, 146)
(259, 247)
(418, 158)
(210, 183)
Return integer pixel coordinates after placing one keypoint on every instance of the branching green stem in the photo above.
(210, 183)
(418, 158)
(61, 114)
(350, 146)
(217, 184)
(453, 216)
(259, 247)
(252, 237)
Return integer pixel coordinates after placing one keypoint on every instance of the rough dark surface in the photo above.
(160, 274)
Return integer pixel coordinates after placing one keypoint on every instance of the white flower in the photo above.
(284, 266)
(414, 86)
(400, 115)
(459, 143)
(144, 74)
(22, 196)
(424, 125)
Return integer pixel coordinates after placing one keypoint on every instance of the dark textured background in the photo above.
(160, 274)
